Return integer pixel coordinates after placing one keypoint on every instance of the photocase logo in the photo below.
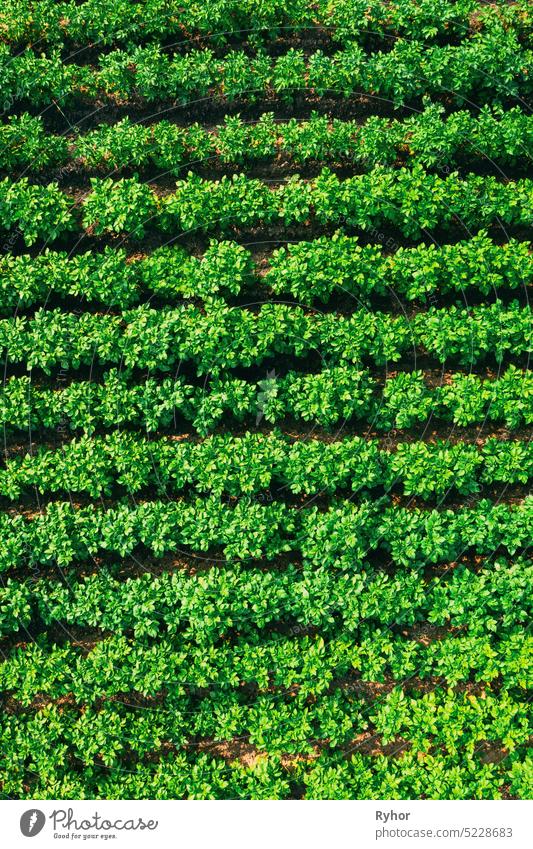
(32, 822)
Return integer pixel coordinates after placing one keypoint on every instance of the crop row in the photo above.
(342, 536)
(118, 664)
(113, 279)
(223, 337)
(450, 722)
(206, 607)
(489, 65)
(249, 464)
(410, 200)
(425, 137)
(330, 397)
(200, 776)
(410, 777)
(108, 22)
(308, 271)
(317, 269)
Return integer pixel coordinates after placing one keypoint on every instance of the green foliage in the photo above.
(249, 464)
(490, 64)
(497, 135)
(411, 200)
(308, 271)
(37, 212)
(341, 536)
(220, 337)
(153, 404)
(250, 548)
(121, 207)
(123, 21)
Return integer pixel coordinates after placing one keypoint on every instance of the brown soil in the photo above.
(74, 177)
(371, 745)
(232, 750)
(491, 753)
(33, 507)
(212, 109)
(425, 634)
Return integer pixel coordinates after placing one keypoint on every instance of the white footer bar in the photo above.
(268, 825)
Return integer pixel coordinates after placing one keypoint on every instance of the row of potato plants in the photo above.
(206, 607)
(307, 270)
(41, 774)
(455, 771)
(249, 464)
(409, 199)
(317, 269)
(410, 777)
(426, 137)
(448, 722)
(108, 22)
(272, 662)
(114, 279)
(330, 397)
(222, 337)
(490, 65)
(341, 535)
